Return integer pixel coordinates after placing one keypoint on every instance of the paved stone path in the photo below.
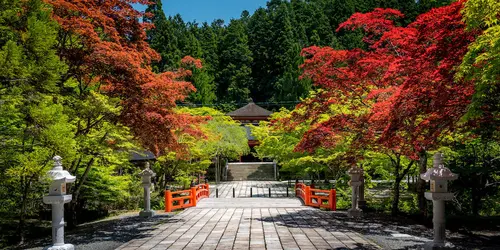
(256, 223)
(259, 222)
(259, 189)
(251, 228)
(249, 203)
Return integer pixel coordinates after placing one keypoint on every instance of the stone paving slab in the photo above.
(259, 189)
(251, 228)
(249, 203)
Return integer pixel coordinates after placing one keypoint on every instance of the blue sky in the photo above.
(208, 10)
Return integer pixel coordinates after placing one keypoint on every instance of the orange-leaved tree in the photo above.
(110, 83)
(104, 43)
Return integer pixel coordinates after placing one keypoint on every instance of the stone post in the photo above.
(355, 172)
(226, 169)
(146, 175)
(439, 176)
(275, 171)
(57, 197)
(362, 201)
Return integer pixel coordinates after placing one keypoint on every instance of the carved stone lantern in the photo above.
(356, 173)
(57, 198)
(438, 176)
(146, 175)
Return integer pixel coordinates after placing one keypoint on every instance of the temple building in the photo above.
(250, 114)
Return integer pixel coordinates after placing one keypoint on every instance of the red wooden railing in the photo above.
(186, 198)
(316, 197)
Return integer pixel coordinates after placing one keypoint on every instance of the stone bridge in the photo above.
(259, 222)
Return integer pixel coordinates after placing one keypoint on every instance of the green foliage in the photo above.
(482, 64)
(223, 139)
(278, 143)
(204, 84)
(477, 163)
(33, 126)
(234, 79)
(46, 112)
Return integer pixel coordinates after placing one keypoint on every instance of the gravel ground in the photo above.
(403, 233)
(106, 234)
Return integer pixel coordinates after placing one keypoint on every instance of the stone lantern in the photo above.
(57, 198)
(439, 176)
(356, 173)
(146, 175)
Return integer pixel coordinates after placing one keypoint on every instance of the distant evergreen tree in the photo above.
(260, 41)
(285, 55)
(258, 55)
(289, 88)
(234, 79)
(209, 41)
(205, 87)
(321, 24)
(164, 38)
(283, 42)
(192, 46)
(301, 21)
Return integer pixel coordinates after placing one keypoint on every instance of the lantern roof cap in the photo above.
(355, 170)
(58, 173)
(147, 171)
(438, 171)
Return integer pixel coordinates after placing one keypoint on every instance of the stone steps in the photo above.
(250, 171)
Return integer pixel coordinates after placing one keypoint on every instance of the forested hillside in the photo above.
(258, 55)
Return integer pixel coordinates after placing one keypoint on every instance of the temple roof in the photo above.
(142, 156)
(250, 110)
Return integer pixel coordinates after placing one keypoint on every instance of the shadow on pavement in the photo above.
(386, 231)
(108, 234)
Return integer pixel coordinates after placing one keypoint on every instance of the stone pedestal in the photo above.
(61, 247)
(355, 211)
(361, 199)
(439, 177)
(57, 198)
(356, 173)
(146, 175)
(147, 214)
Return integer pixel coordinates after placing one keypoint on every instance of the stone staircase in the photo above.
(256, 171)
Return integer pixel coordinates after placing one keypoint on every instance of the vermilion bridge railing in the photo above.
(316, 197)
(185, 198)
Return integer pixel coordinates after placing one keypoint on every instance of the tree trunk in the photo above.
(395, 188)
(422, 202)
(476, 200)
(22, 215)
(72, 207)
(395, 197)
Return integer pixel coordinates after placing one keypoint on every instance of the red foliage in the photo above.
(104, 44)
(190, 61)
(374, 23)
(404, 82)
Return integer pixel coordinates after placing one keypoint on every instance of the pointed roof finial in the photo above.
(57, 162)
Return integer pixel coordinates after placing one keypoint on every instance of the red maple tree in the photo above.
(405, 79)
(399, 95)
(104, 44)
